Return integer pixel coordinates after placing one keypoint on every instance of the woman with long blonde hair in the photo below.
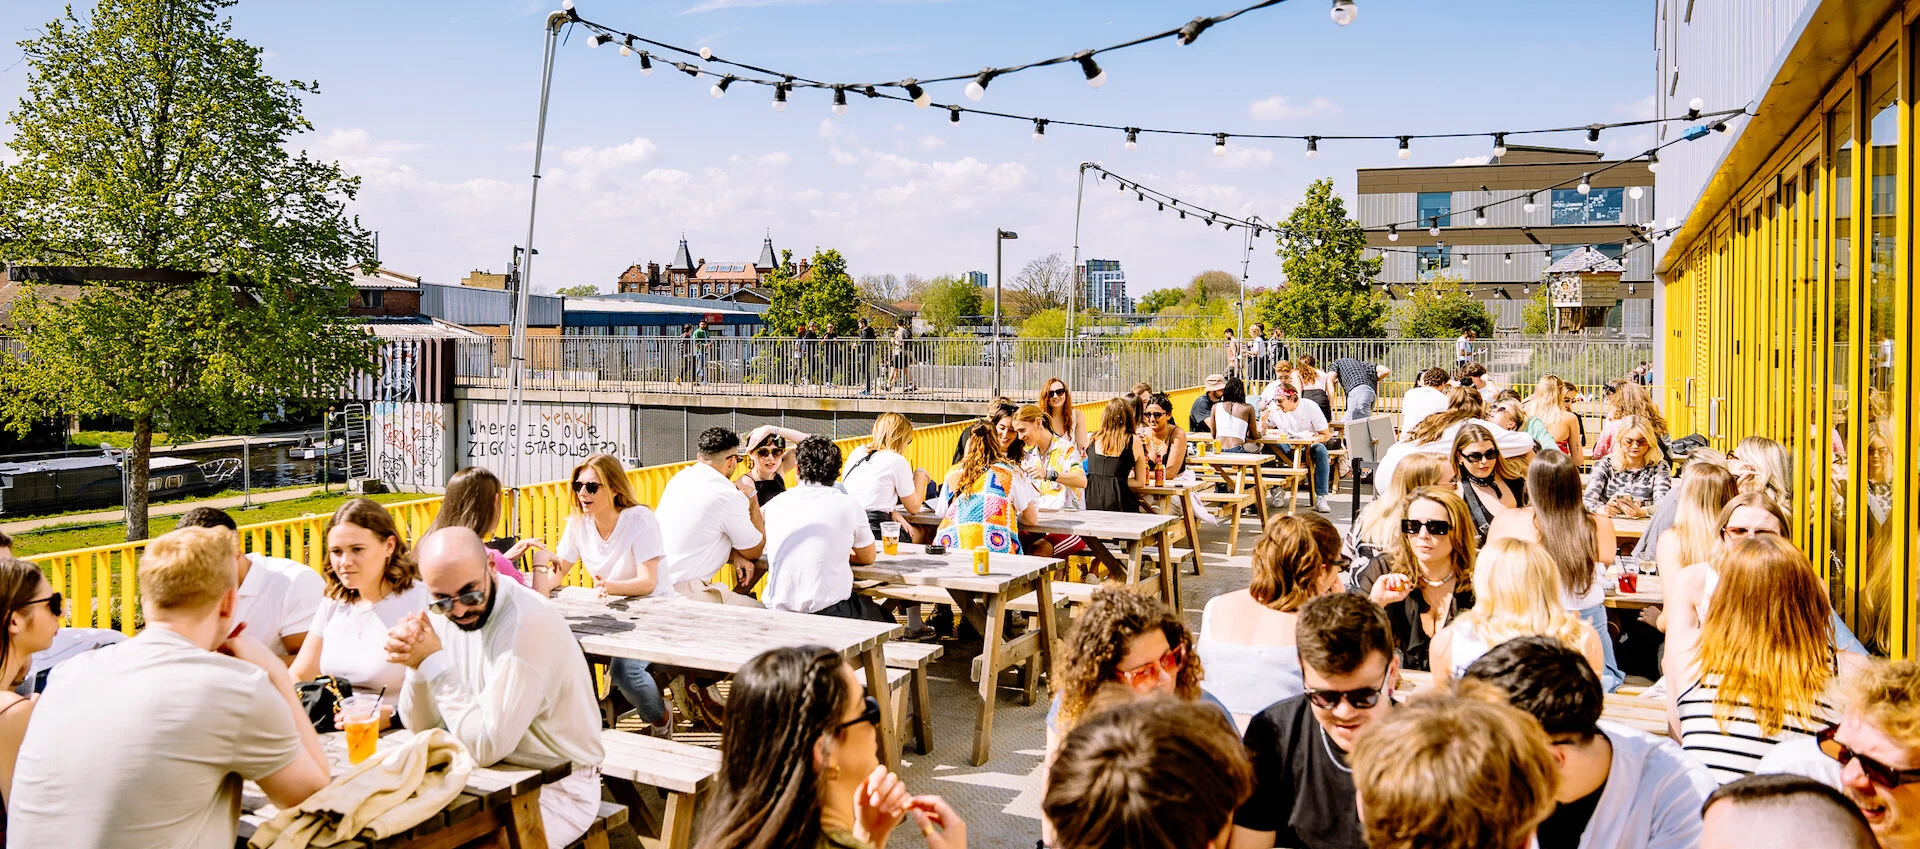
(1632, 479)
(1704, 491)
(1550, 417)
(1427, 578)
(1581, 542)
(1516, 593)
(1765, 466)
(1629, 399)
(1765, 664)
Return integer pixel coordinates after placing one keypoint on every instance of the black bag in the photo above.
(320, 697)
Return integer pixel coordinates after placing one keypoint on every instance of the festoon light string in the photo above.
(913, 89)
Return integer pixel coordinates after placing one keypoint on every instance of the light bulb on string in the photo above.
(1183, 215)
(1499, 145)
(1479, 216)
(978, 88)
(1433, 226)
(626, 47)
(1593, 134)
(1219, 144)
(1344, 11)
(1653, 161)
(1095, 76)
(1313, 146)
(953, 114)
(719, 89)
(1393, 233)
(646, 64)
(1162, 206)
(780, 98)
(1405, 152)
(1039, 129)
(921, 98)
(566, 5)
(1529, 206)
(598, 39)
(1466, 259)
(1693, 108)
(706, 53)
(839, 100)
(1139, 196)
(1585, 187)
(1133, 138)
(1509, 259)
(1209, 220)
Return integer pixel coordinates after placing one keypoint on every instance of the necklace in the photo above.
(1486, 482)
(1440, 583)
(1327, 743)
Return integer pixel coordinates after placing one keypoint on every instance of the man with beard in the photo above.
(500, 670)
(1878, 747)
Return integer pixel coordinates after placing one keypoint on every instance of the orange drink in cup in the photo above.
(360, 719)
(890, 537)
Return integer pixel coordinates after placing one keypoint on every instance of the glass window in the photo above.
(1435, 205)
(1875, 459)
(1840, 155)
(1432, 258)
(1559, 252)
(1600, 206)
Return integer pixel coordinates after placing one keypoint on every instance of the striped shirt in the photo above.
(1735, 752)
(1353, 373)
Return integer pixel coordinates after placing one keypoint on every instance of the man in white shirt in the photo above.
(1463, 350)
(813, 533)
(1619, 788)
(144, 743)
(706, 519)
(277, 596)
(1474, 376)
(1303, 421)
(1424, 400)
(500, 669)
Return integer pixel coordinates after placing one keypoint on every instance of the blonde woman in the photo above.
(1516, 591)
(1379, 528)
(1581, 542)
(1765, 664)
(879, 476)
(1704, 491)
(1628, 399)
(1764, 466)
(1427, 579)
(1631, 480)
(1550, 417)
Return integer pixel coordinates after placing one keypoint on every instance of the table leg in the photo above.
(1043, 593)
(989, 677)
(526, 829)
(1115, 569)
(1192, 524)
(876, 668)
(677, 832)
(1260, 495)
(1169, 572)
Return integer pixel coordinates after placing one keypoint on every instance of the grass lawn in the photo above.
(69, 537)
(116, 438)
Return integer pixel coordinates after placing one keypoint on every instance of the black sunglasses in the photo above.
(1058, 393)
(1480, 456)
(590, 486)
(1361, 699)
(1877, 772)
(1437, 527)
(53, 602)
(444, 605)
(869, 712)
(1152, 415)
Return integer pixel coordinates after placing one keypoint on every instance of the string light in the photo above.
(1133, 138)
(706, 54)
(1499, 145)
(1393, 233)
(921, 98)
(1693, 108)
(1039, 129)
(978, 88)
(1091, 69)
(1344, 11)
(1529, 206)
(839, 101)
(1593, 134)
(1313, 147)
(1433, 227)
(1479, 216)
(1509, 259)
(953, 114)
(626, 47)
(1219, 144)
(1653, 161)
(1636, 192)
(780, 98)
(1584, 187)
(1405, 153)
(646, 64)
(719, 89)
(598, 40)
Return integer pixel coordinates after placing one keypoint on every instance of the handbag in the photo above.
(320, 697)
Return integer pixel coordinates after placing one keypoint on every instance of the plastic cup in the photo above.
(360, 719)
(890, 537)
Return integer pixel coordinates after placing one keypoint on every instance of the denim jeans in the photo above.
(636, 685)
(1610, 677)
(1322, 465)
(1360, 402)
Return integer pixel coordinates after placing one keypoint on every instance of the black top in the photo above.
(1482, 517)
(764, 491)
(1302, 785)
(1353, 373)
(1202, 406)
(1404, 615)
(1568, 821)
(1107, 477)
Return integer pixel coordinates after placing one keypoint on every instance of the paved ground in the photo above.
(158, 509)
(1000, 800)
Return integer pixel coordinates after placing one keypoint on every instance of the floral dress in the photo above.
(1059, 458)
(984, 514)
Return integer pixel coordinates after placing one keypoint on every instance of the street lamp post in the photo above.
(999, 239)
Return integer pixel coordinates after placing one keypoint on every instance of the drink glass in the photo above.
(980, 560)
(890, 537)
(1629, 575)
(360, 719)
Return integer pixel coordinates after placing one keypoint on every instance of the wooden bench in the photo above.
(612, 817)
(910, 661)
(1068, 593)
(1237, 503)
(1152, 553)
(684, 773)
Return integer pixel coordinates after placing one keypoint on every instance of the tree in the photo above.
(1327, 293)
(1536, 317)
(150, 138)
(1212, 285)
(885, 288)
(1440, 308)
(948, 302)
(783, 317)
(1160, 299)
(1041, 285)
(584, 290)
(825, 297)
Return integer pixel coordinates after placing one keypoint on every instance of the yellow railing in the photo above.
(101, 586)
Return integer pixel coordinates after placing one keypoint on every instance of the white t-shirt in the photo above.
(1463, 348)
(278, 599)
(1304, 422)
(811, 530)
(1419, 403)
(635, 540)
(877, 483)
(703, 519)
(140, 743)
(1596, 592)
(354, 638)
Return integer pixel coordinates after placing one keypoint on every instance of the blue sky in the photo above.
(432, 103)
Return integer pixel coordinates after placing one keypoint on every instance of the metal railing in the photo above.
(965, 368)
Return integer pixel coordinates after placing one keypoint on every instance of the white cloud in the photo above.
(1472, 160)
(713, 5)
(932, 142)
(1282, 108)
(830, 129)
(1247, 156)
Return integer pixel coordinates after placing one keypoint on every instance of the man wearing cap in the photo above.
(1203, 406)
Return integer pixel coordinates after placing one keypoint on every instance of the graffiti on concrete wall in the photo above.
(410, 444)
(554, 440)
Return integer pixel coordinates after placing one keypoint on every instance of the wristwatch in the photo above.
(1053, 475)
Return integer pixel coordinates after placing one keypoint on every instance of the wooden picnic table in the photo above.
(1009, 576)
(1637, 712)
(723, 637)
(1233, 468)
(1625, 528)
(501, 802)
(1647, 593)
(1098, 527)
(1175, 498)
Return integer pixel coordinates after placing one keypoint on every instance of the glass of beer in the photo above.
(360, 719)
(890, 537)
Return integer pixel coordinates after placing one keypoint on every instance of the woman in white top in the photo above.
(1516, 591)
(1705, 489)
(1246, 640)
(1062, 418)
(879, 476)
(31, 610)
(1581, 542)
(372, 584)
(617, 540)
(1232, 421)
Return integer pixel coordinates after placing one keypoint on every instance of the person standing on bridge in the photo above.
(869, 350)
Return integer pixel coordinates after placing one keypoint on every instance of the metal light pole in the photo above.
(1079, 198)
(1246, 261)
(999, 239)
(517, 365)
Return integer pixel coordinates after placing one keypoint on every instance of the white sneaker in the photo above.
(1320, 505)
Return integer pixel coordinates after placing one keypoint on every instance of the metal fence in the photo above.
(965, 368)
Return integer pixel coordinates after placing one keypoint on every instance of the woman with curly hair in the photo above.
(1246, 637)
(1126, 641)
(372, 583)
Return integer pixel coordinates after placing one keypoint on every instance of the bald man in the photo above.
(1760, 810)
(498, 667)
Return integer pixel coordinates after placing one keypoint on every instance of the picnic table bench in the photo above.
(1133, 531)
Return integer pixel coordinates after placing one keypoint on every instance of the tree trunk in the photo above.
(133, 470)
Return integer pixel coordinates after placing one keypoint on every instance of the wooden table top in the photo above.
(1101, 524)
(1175, 487)
(1222, 459)
(708, 637)
(1637, 712)
(1630, 528)
(954, 571)
(1647, 593)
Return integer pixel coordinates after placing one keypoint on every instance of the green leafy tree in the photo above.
(1191, 321)
(1328, 291)
(150, 138)
(829, 297)
(1212, 286)
(947, 303)
(1536, 317)
(1160, 299)
(784, 316)
(1441, 308)
(584, 290)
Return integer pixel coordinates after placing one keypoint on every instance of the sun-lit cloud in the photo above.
(715, 5)
(1282, 108)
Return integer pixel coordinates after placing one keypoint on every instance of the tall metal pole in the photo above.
(993, 345)
(1246, 262)
(517, 366)
(1079, 198)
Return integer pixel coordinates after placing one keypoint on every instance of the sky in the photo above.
(433, 104)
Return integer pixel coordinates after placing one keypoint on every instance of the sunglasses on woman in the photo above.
(1480, 456)
(589, 487)
(767, 453)
(1361, 699)
(1437, 527)
(1058, 393)
(1878, 773)
(53, 602)
(1143, 675)
(869, 712)
(1152, 415)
